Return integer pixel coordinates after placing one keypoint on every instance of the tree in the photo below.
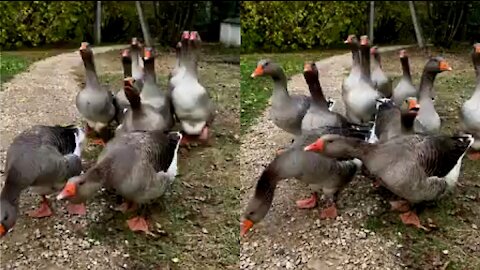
(372, 20)
(418, 31)
(143, 23)
(98, 23)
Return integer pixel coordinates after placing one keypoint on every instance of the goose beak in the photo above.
(258, 72)
(125, 53)
(316, 146)
(477, 49)
(307, 67)
(413, 105)
(247, 224)
(68, 191)
(444, 66)
(83, 46)
(2, 230)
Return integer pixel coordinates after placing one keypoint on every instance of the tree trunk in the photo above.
(144, 25)
(98, 23)
(372, 20)
(418, 31)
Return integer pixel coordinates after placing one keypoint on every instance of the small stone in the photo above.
(175, 260)
(474, 226)
(445, 251)
(289, 265)
(204, 230)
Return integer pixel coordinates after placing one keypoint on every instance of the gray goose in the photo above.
(140, 166)
(360, 101)
(40, 158)
(287, 111)
(141, 116)
(414, 167)
(351, 81)
(136, 49)
(96, 104)
(470, 113)
(428, 120)
(122, 100)
(405, 87)
(379, 78)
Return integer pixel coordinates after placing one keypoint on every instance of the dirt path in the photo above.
(289, 238)
(45, 94)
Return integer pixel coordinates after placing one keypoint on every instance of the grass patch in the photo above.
(457, 216)
(14, 62)
(196, 224)
(256, 92)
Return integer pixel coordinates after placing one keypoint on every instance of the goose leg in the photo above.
(204, 134)
(410, 218)
(126, 207)
(43, 211)
(331, 210)
(139, 223)
(77, 209)
(308, 203)
(401, 206)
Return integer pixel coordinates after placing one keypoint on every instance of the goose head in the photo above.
(310, 72)
(80, 188)
(336, 146)
(476, 55)
(352, 41)
(126, 56)
(8, 216)
(86, 51)
(256, 210)
(412, 105)
(266, 67)
(436, 65)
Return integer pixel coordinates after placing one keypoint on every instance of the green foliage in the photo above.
(11, 65)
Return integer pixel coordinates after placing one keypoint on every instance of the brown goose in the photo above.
(40, 158)
(414, 167)
(140, 166)
(319, 172)
(379, 78)
(95, 104)
(141, 116)
(427, 120)
(405, 87)
(470, 113)
(287, 111)
(360, 101)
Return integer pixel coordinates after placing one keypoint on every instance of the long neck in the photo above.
(149, 66)
(90, 73)
(406, 68)
(476, 66)
(280, 86)
(316, 92)
(133, 98)
(355, 60)
(376, 63)
(135, 60)
(426, 84)
(265, 190)
(191, 62)
(127, 68)
(365, 53)
(10, 191)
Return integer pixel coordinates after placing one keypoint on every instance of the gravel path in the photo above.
(290, 238)
(45, 94)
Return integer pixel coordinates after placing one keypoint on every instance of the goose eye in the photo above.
(266, 64)
(5, 217)
(81, 183)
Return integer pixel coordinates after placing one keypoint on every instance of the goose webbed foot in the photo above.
(43, 211)
(329, 212)
(98, 142)
(138, 224)
(309, 202)
(204, 134)
(410, 218)
(77, 209)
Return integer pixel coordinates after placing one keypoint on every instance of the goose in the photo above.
(470, 113)
(321, 173)
(122, 100)
(192, 104)
(136, 48)
(360, 101)
(405, 87)
(40, 158)
(350, 82)
(287, 111)
(140, 166)
(96, 104)
(415, 167)
(141, 116)
(379, 78)
(427, 120)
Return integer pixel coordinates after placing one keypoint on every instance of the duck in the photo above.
(428, 120)
(379, 78)
(416, 167)
(192, 104)
(405, 88)
(40, 158)
(139, 165)
(287, 111)
(96, 104)
(141, 116)
(321, 173)
(360, 100)
(470, 112)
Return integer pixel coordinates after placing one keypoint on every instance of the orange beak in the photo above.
(373, 50)
(185, 35)
(193, 35)
(413, 105)
(444, 66)
(477, 49)
(147, 53)
(364, 41)
(307, 67)
(2, 230)
(247, 224)
(316, 146)
(83, 46)
(258, 72)
(125, 53)
(68, 191)
(403, 53)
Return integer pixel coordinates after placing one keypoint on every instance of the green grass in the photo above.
(457, 215)
(256, 92)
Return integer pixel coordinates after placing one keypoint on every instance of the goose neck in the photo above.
(406, 68)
